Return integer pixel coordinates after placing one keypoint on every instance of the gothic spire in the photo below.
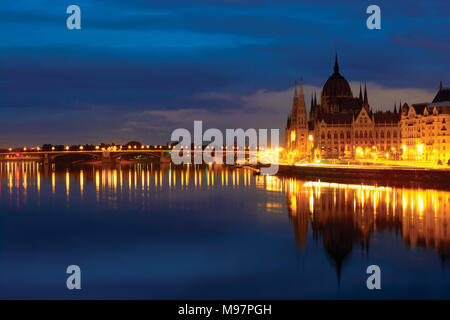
(366, 101)
(301, 88)
(295, 89)
(360, 93)
(336, 65)
(440, 86)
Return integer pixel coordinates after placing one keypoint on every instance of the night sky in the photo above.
(139, 69)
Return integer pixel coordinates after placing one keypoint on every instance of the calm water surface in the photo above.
(145, 231)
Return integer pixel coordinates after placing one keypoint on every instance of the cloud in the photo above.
(382, 98)
(230, 62)
(267, 108)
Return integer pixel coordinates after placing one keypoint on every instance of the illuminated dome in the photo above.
(336, 85)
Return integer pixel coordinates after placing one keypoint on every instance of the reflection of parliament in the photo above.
(345, 218)
(341, 126)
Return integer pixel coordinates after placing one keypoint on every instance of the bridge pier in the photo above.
(165, 157)
(106, 157)
(46, 160)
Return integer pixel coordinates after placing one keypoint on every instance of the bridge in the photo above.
(106, 156)
(110, 156)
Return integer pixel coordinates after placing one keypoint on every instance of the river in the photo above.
(147, 231)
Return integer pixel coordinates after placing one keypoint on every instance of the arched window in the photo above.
(382, 134)
(348, 134)
(365, 134)
(342, 135)
(356, 134)
(370, 134)
(335, 135)
(323, 135)
(329, 135)
(388, 134)
(395, 134)
(361, 134)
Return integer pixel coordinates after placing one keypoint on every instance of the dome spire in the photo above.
(336, 64)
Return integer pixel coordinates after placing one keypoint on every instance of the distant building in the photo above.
(340, 126)
(426, 131)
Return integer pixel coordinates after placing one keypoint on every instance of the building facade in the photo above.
(425, 129)
(340, 126)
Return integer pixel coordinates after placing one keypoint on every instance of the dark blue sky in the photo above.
(139, 69)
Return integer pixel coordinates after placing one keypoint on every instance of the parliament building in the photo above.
(341, 126)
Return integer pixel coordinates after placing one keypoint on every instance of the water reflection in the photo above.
(109, 183)
(343, 217)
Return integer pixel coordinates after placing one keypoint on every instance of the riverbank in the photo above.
(396, 176)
